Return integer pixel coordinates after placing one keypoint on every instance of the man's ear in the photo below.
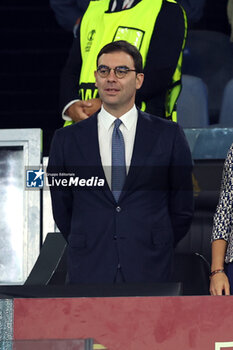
(95, 73)
(139, 80)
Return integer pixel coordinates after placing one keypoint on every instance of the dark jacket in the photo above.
(153, 213)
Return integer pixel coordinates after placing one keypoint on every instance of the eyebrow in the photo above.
(105, 66)
(122, 67)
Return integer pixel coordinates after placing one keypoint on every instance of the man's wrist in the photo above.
(75, 27)
(64, 115)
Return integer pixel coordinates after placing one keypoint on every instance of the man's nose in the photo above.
(112, 76)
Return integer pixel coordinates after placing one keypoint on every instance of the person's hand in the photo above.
(81, 110)
(219, 283)
(94, 107)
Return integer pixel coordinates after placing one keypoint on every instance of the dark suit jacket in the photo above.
(153, 213)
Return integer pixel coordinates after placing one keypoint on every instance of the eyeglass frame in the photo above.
(117, 68)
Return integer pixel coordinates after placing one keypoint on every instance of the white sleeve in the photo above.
(64, 116)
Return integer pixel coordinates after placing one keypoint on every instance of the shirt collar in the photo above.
(128, 119)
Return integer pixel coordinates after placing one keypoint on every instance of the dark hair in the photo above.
(122, 45)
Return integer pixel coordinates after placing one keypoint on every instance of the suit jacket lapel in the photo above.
(145, 138)
(89, 143)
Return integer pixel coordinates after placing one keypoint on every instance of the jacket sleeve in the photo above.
(193, 8)
(61, 196)
(68, 11)
(70, 74)
(181, 191)
(163, 54)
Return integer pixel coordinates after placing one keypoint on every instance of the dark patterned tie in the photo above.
(118, 160)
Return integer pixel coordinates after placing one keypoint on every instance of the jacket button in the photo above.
(115, 237)
(118, 209)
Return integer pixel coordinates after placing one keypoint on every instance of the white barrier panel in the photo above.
(20, 207)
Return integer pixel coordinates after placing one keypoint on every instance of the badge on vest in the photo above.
(133, 35)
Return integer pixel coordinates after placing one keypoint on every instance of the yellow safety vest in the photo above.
(135, 25)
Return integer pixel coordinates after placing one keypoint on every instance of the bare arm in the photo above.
(219, 282)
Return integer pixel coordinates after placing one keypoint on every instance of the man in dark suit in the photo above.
(123, 224)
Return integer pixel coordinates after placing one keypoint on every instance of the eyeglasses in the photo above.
(119, 71)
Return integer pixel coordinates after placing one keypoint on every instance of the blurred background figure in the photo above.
(68, 13)
(161, 40)
(194, 10)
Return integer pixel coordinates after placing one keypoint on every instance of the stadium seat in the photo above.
(209, 56)
(226, 112)
(192, 104)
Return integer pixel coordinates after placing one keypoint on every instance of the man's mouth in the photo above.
(111, 90)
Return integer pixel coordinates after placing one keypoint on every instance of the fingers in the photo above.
(76, 111)
(81, 110)
(220, 291)
(227, 289)
(85, 103)
(81, 115)
(217, 291)
(94, 106)
(219, 285)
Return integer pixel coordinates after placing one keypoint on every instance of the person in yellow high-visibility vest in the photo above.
(157, 29)
(68, 13)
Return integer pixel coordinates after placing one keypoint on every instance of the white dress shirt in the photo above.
(105, 129)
